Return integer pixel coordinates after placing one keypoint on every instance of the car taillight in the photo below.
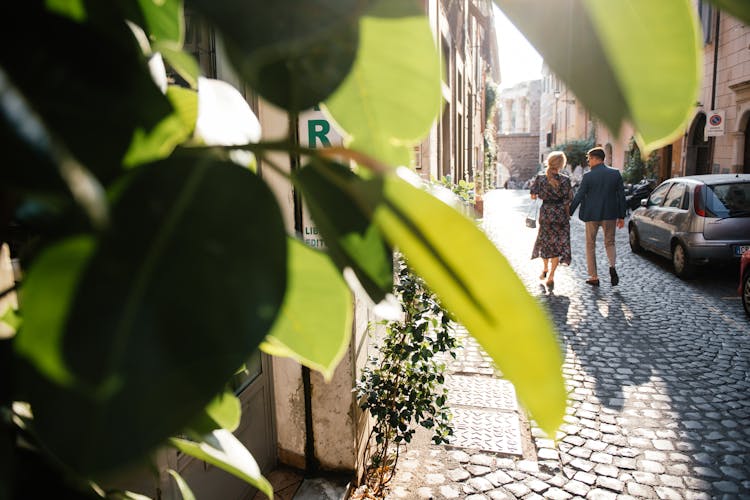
(698, 205)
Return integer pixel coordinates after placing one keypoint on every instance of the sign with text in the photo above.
(315, 131)
(715, 123)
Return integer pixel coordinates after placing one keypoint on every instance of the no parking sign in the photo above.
(715, 123)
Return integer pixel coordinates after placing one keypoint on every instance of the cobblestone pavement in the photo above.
(659, 377)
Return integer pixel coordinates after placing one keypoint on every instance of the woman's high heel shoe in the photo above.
(550, 284)
(543, 275)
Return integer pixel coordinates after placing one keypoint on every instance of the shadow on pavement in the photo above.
(658, 368)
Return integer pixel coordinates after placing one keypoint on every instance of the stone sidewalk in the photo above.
(658, 372)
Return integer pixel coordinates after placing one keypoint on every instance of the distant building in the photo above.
(518, 135)
(465, 34)
(724, 95)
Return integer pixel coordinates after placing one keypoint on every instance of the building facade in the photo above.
(518, 141)
(464, 31)
(724, 96)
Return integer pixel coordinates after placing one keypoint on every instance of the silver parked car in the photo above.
(694, 220)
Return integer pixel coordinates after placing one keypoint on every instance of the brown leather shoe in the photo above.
(592, 281)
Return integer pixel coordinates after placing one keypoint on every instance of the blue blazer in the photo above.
(601, 195)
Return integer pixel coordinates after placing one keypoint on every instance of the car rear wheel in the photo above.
(746, 294)
(683, 268)
(635, 240)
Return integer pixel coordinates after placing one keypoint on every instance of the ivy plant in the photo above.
(402, 385)
(636, 167)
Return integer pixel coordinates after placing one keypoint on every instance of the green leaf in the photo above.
(185, 102)
(158, 143)
(392, 96)
(11, 319)
(128, 495)
(185, 491)
(477, 285)
(315, 322)
(223, 450)
(74, 9)
(93, 70)
(182, 62)
(352, 240)
(180, 290)
(48, 291)
(292, 52)
(606, 54)
(223, 412)
(164, 21)
(737, 8)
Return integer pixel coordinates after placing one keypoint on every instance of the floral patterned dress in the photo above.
(553, 239)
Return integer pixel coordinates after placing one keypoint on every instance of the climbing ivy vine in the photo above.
(402, 385)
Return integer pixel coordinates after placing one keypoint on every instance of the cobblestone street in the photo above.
(658, 371)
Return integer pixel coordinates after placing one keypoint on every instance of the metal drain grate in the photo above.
(485, 414)
(481, 392)
(487, 430)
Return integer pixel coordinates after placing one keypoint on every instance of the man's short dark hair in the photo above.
(597, 152)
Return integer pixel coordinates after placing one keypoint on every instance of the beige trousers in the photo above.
(592, 228)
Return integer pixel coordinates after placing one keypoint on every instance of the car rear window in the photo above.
(728, 200)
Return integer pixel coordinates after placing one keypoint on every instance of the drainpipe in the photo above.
(712, 140)
(716, 58)
(311, 463)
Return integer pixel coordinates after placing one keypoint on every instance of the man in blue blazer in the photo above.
(602, 199)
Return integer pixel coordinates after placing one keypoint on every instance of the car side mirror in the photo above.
(644, 202)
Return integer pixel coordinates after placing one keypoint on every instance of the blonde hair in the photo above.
(555, 161)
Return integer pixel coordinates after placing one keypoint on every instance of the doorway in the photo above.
(746, 157)
(698, 158)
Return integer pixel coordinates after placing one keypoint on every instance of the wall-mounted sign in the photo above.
(315, 131)
(715, 123)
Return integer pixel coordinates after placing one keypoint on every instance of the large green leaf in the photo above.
(738, 8)
(223, 412)
(621, 58)
(164, 21)
(223, 450)
(315, 322)
(392, 96)
(93, 71)
(477, 285)
(56, 272)
(293, 52)
(180, 290)
(351, 238)
(185, 491)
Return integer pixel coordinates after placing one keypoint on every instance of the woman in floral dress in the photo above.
(553, 240)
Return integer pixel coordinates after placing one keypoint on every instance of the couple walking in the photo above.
(601, 196)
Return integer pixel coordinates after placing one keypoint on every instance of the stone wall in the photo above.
(519, 153)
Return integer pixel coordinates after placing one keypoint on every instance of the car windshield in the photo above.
(728, 200)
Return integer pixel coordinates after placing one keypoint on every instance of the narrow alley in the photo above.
(658, 371)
